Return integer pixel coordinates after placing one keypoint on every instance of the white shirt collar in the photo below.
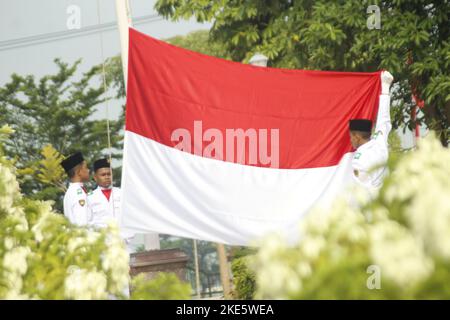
(364, 146)
(77, 184)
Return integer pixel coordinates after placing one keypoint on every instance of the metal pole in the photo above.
(224, 273)
(197, 271)
(123, 23)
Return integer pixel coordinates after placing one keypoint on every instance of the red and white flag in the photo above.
(221, 151)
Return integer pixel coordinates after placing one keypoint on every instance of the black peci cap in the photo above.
(364, 125)
(102, 163)
(72, 161)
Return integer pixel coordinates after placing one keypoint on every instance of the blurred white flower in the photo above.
(9, 243)
(87, 238)
(83, 284)
(399, 254)
(304, 269)
(271, 246)
(9, 188)
(429, 216)
(276, 281)
(423, 180)
(15, 260)
(13, 281)
(75, 243)
(46, 218)
(357, 234)
(312, 246)
(115, 261)
(13, 295)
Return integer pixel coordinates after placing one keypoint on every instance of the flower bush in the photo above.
(243, 279)
(395, 246)
(164, 286)
(43, 256)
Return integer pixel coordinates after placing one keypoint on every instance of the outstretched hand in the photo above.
(386, 81)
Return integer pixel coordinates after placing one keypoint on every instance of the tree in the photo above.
(52, 116)
(199, 41)
(413, 43)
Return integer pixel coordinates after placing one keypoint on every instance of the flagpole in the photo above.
(197, 271)
(123, 23)
(224, 271)
(151, 241)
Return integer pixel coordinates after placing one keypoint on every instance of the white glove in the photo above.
(386, 80)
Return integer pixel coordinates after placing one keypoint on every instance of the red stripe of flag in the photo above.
(310, 109)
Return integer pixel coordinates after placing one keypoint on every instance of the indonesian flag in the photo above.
(226, 152)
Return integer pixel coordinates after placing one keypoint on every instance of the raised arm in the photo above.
(383, 125)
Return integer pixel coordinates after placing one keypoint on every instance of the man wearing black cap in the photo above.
(371, 153)
(104, 201)
(75, 199)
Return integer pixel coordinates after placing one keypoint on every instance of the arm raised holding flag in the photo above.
(372, 152)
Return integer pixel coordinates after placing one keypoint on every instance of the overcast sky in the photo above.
(33, 33)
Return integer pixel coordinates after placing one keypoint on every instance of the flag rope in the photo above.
(108, 131)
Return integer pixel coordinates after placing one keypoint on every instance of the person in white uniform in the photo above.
(104, 201)
(104, 205)
(371, 155)
(75, 199)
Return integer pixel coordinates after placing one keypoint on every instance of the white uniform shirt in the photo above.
(103, 211)
(369, 160)
(75, 204)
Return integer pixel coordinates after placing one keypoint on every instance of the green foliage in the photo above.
(437, 286)
(164, 286)
(243, 279)
(5, 133)
(413, 42)
(345, 279)
(394, 142)
(114, 77)
(237, 252)
(199, 41)
(51, 172)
